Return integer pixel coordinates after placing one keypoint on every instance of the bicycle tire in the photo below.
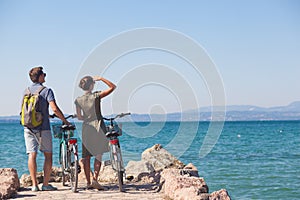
(74, 168)
(112, 152)
(63, 162)
(120, 181)
(117, 160)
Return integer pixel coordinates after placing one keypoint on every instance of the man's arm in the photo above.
(58, 112)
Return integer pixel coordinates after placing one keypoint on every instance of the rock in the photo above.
(135, 168)
(220, 195)
(107, 174)
(153, 159)
(190, 170)
(26, 181)
(191, 167)
(56, 175)
(148, 178)
(160, 158)
(171, 176)
(180, 184)
(9, 182)
(81, 175)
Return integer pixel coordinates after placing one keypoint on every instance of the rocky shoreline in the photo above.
(158, 172)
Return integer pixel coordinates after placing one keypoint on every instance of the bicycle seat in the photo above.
(112, 134)
(68, 127)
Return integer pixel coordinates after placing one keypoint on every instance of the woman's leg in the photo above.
(97, 166)
(87, 169)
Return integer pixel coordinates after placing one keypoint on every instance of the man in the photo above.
(40, 137)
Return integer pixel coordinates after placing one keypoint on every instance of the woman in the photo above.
(94, 142)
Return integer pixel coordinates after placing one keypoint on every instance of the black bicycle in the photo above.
(68, 152)
(113, 132)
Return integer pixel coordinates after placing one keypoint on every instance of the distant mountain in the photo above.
(233, 113)
(292, 107)
(10, 118)
(251, 113)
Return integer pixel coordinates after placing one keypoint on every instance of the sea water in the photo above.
(252, 160)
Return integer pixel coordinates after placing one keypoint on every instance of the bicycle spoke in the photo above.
(74, 168)
(63, 162)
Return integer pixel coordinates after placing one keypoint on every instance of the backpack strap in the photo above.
(37, 92)
(27, 91)
(41, 88)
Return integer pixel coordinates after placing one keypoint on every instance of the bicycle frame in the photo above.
(68, 153)
(70, 144)
(115, 154)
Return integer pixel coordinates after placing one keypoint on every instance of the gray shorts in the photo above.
(35, 141)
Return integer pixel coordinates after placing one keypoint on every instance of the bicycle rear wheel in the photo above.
(74, 167)
(63, 162)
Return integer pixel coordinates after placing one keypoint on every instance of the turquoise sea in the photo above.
(252, 160)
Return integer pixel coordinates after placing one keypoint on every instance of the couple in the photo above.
(88, 109)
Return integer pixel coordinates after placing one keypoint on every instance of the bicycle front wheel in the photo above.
(74, 167)
(117, 163)
(63, 161)
(120, 180)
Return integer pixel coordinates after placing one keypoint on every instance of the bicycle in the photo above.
(68, 152)
(113, 132)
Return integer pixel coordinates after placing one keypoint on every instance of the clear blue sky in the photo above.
(254, 44)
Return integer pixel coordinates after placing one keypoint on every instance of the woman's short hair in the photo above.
(86, 82)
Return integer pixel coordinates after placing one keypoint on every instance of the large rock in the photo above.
(107, 174)
(135, 168)
(55, 176)
(153, 159)
(185, 184)
(9, 182)
(182, 184)
(160, 158)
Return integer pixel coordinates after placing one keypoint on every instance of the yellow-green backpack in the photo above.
(31, 115)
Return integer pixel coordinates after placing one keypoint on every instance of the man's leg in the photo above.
(32, 167)
(47, 167)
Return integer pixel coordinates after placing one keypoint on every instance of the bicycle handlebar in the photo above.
(117, 116)
(63, 126)
(69, 116)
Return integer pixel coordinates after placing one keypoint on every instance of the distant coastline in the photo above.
(233, 113)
